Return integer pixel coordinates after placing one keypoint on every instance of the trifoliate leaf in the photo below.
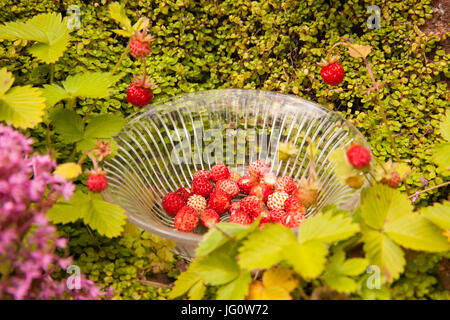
(68, 124)
(264, 248)
(236, 289)
(54, 94)
(49, 30)
(6, 81)
(343, 169)
(415, 232)
(197, 291)
(308, 259)
(359, 51)
(384, 253)
(90, 84)
(107, 218)
(217, 268)
(380, 203)
(327, 228)
(439, 214)
(117, 13)
(69, 170)
(214, 238)
(23, 107)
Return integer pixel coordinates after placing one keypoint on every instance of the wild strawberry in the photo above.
(285, 184)
(358, 156)
(332, 73)
(246, 183)
(293, 204)
(186, 219)
(251, 205)
(141, 43)
(140, 92)
(202, 187)
(269, 179)
(276, 215)
(240, 217)
(197, 202)
(262, 191)
(258, 168)
(308, 191)
(235, 206)
(229, 186)
(292, 219)
(184, 192)
(209, 218)
(219, 201)
(172, 203)
(97, 182)
(235, 176)
(219, 172)
(393, 181)
(276, 200)
(201, 174)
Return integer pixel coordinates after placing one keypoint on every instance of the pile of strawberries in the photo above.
(274, 199)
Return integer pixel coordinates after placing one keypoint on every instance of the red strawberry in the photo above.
(219, 201)
(292, 219)
(184, 192)
(285, 184)
(235, 206)
(209, 218)
(97, 182)
(251, 205)
(276, 200)
(202, 187)
(197, 202)
(240, 217)
(219, 172)
(307, 197)
(140, 92)
(262, 191)
(172, 203)
(246, 183)
(358, 156)
(332, 73)
(186, 219)
(293, 204)
(276, 215)
(229, 186)
(258, 168)
(141, 44)
(202, 174)
(270, 179)
(235, 176)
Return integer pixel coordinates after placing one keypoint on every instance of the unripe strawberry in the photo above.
(197, 202)
(186, 220)
(358, 156)
(97, 182)
(277, 199)
(172, 203)
(394, 180)
(209, 218)
(307, 197)
(141, 44)
(269, 179)
(355, 182)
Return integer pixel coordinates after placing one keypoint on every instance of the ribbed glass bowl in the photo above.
(163, 145)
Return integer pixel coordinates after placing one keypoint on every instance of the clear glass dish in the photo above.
(164, 144)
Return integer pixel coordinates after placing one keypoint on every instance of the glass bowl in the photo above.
(164, 144)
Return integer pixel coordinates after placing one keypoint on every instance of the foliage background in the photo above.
(267, 45)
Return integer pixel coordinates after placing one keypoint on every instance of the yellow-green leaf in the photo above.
(308, 258)
(236, 289)
(6, 81)
(217, 268)
(69, 170)
(117, 13)
(90, 84)
(439, 214)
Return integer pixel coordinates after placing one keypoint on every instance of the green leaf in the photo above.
(71, 211)
(49, 30)
(217, 268)
(214, 238)
(22, 107)
(236, 289)
(68, 124)
(380, 203)
(6, 81)
(264, 248)
(54, 94)
(341, 283)
(308, 258)
(185, 281)
(90, 84)
(439, 214)
(445, 126)
(108, 219)
(383, 252)
(441, 156)
(415, 232)
(117, 13)
(327, 228)
(197, 291)
(104, 126)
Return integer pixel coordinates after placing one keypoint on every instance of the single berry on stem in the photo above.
(358, 156)
(332, 71)
(97, 182)
(141, 42)
(140, 92)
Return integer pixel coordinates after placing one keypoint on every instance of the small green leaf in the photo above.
(217, 268)
(236, 289)
(117, 13)
(68, 124)
(308, 258)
